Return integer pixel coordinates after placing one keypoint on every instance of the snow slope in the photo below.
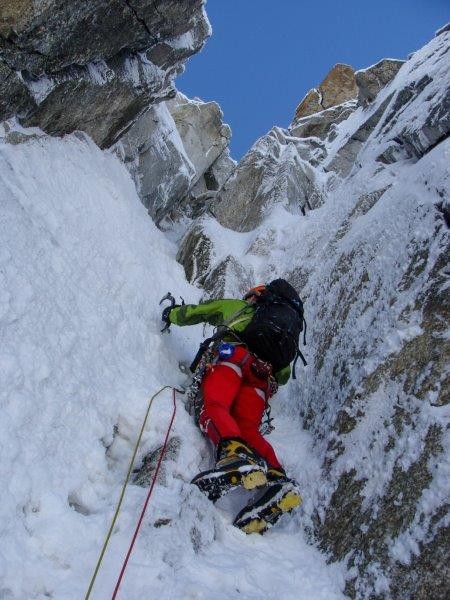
(82, 269)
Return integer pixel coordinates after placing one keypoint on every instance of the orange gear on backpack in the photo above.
(255, 291)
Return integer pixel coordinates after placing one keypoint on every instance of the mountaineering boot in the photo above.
(282, 496)
(237, 465)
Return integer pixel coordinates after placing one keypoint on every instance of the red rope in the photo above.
(155, 475)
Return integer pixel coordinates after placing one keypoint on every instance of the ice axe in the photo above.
(166, 311)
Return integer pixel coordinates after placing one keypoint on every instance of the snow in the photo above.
(82, 269)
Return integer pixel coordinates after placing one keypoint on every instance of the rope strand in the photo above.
(122, 494)
(141, 518)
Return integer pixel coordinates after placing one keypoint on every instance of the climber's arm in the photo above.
(214, 312)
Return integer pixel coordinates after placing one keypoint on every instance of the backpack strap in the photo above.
(299, 353)
(222, 330)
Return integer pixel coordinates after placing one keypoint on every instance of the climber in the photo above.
(256, 341)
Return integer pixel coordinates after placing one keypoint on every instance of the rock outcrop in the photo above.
(107, 69)
(177, 151)
(272, 173)
(413, 113)
(338, 87)
(322, 124)
(95, 65)
(154, 154)
(202, 131)
(370, 81)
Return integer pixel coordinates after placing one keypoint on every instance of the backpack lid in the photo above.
(282, 290)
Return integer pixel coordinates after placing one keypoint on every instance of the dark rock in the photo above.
(144, 475)
(88, 65)
(443, 30)
(44, 38)
(195, 254)
(428, 574)
(14, 97)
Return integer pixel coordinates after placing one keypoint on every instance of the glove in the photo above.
(165, 317)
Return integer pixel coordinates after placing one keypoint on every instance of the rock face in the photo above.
(337, 87)
(176, 152)
(202, 131)
(370, 81)
(107, 68)
(154, 154)
(272, 173)
(371, 262)
(93, 65)
(423, 103)
(322, 124)
(223, 278)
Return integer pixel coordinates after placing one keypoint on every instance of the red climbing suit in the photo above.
(234, 402)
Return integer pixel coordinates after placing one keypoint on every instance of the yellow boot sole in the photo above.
(254, 480)
(290, 501)
(259, 524)
(255, 526)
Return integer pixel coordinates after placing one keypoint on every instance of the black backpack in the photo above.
(273, 333)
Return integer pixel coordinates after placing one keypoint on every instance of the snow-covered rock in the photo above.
(203, 133)
(322, 124)
(82, 269)
(272, 172)
(154, 154)
(371, 80)
(177, 152)
(93, 66)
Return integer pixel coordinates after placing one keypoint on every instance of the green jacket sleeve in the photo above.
(214, 312)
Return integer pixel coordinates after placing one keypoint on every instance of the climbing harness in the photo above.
(122, 494)
(194, 397)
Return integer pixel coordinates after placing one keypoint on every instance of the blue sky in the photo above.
(264, 55)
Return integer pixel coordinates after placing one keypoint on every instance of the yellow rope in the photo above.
(116, 514)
